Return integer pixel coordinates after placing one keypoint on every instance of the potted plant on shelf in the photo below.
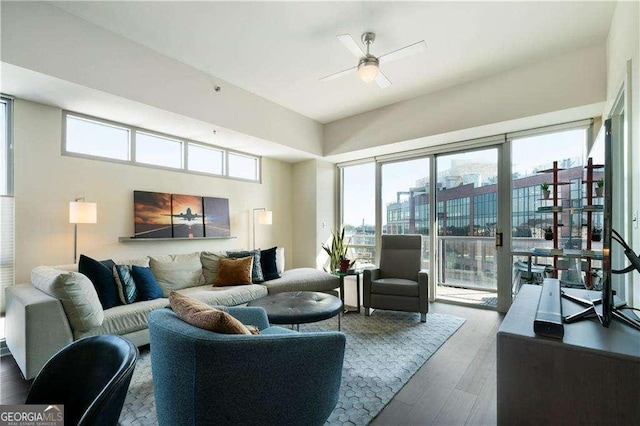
(596, 234)
(546, 193)
(337, 252)
(548, 233)
(599, 187)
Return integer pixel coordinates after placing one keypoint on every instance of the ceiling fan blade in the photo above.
(338, 74)
(418, 47)
(382, 81)
(351, 44)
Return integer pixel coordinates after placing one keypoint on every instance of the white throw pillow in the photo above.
(76, 292)
(142, 261)
(211, 264)
(280, 260)
(177, 271)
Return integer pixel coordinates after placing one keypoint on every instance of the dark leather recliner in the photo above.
(399, 284)
(90, 377)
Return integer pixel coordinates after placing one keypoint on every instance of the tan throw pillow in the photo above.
(234, 271)
(201, 315)
(178, 271)
(211, 264)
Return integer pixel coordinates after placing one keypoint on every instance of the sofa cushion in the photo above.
(178, 271)
(226, 296)
(256, 272)
(395, 286)
(125, 319)
(234, 272)
(76, 293)
(210, 264)
(268, 264)
(146, 284)
(303, 279)
(127, 291)
(101, 275)
(204, 316)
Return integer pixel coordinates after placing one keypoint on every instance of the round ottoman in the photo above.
(299, 307)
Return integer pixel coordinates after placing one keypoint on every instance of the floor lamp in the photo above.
(265, 217)
(81, 212)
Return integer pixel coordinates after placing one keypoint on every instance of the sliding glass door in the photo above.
(467, 218)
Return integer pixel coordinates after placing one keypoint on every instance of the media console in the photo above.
(590, 376)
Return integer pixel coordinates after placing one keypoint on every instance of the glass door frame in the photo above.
(503, 225)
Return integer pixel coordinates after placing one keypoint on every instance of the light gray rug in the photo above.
(383, 352)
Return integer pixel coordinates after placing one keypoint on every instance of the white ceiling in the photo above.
(279, 50)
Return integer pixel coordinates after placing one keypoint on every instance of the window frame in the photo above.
(9, 147)
(132, 161)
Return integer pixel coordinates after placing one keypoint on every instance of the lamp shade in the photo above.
(265, 217)
(81, 212)
(368, 72)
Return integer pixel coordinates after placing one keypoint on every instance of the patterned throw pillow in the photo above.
(234, 272)
(256, 274)
(201, 315)
(126, 285)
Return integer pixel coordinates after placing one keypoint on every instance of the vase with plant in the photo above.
(337, 252)
(599, 187)
(596, 234)
(548, 233)
(546, 193)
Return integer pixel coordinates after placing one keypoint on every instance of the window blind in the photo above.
(7, 270)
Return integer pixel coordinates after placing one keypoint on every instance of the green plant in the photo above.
(544, 186)
(600, 183)
(337, 251)
(548, 230)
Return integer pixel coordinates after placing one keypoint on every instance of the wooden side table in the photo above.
(350, 272)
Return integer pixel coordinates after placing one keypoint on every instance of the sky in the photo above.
(527, 153)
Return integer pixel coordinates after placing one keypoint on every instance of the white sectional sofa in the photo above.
(61, 305)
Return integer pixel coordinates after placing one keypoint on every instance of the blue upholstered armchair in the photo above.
(279, 377)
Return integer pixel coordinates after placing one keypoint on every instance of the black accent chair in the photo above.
(90, 377)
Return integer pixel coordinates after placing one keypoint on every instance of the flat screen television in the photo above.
(615, 251)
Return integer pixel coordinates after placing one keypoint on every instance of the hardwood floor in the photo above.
(457, 386)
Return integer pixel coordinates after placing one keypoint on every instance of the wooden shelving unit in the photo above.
(590, 209)
(555, 209)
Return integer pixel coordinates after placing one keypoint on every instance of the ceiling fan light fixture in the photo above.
(368, 68)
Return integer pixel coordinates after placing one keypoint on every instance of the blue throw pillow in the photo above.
(146, 284)
(126, 285)
(268, 264)
(256, 273)
(101, 275)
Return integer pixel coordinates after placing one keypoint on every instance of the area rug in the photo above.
(383, 352)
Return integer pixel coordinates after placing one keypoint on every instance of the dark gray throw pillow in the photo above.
(268, 264)
(256, 274)
(101, 275)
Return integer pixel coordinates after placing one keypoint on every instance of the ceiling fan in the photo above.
(368, 65)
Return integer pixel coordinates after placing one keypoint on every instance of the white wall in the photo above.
(45, 181)
(575, 79)
(314, 217)
(304, 215)
(623, 43)
(43, 38)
